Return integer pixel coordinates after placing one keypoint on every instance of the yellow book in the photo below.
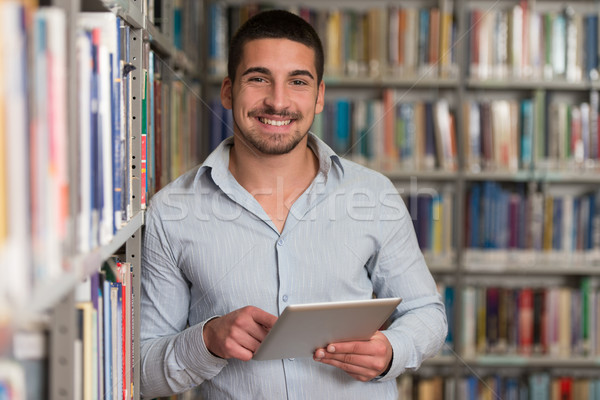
(86, 327)
(437, 245)
(333, 64)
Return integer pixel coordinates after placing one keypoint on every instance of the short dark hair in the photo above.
(275, 24)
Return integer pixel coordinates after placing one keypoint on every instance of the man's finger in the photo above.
(263, 318)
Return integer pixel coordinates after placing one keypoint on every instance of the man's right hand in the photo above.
(239, 333)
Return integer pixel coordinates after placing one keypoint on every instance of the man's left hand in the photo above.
(362, 360)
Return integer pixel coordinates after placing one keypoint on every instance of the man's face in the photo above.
(275, 95)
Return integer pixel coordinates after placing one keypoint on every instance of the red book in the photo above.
(526, 321)
(566, 388)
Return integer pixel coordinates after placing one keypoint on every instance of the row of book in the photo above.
(66, 193)
(34, 185)
(172, 110)
(513, 135)
(533, 386)
(432, 216)
(498, 135)
(519, 219)
(104, 356)
(558, 322)
(178, 20)
(523, 42)
(374, 41)
(384, 134)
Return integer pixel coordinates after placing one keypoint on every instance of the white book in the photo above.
(393, 36)
(501, 133)
(567, 223)
(410, 41)
(469, 321)
(571, 46)
(443, 133)
(84, 77)
(15, 284)
(559, 45)
(517, 41)
(474, 138)
(536, 59)
(51, 196)
(486, 45)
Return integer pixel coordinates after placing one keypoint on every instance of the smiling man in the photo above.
(274, 217)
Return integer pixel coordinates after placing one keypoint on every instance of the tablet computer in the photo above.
(302, 328)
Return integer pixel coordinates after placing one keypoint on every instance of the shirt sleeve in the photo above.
(174, 357)
(418, 327)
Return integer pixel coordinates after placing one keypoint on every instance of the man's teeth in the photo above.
(275, 123)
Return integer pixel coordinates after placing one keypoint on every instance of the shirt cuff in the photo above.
(193, 353)
(400, 358)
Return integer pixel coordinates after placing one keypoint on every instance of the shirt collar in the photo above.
(217, 162)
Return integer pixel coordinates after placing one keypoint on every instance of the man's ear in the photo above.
(226, 87)
(320, 98)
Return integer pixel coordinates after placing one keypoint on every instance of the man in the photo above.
(273, 217)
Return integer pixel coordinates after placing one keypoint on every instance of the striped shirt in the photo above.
(209, 248)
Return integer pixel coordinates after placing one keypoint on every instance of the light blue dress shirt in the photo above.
(209, 248)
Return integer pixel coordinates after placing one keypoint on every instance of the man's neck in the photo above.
(254, 170)
(275, 181)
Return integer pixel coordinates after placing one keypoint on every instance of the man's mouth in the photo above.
(274, 122)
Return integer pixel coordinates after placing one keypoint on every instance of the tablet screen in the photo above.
(302, 328)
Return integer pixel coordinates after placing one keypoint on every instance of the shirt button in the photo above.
(280, 242)
(285, 298)
(291, 359)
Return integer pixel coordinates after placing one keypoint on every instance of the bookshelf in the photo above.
(89, 131)
(500, 75)
(40, 313)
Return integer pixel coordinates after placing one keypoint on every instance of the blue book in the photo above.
(177, 25)
(341, 140)
(472, 388)
(117, 148)
(539, 386)
(95, 145)
(511, 391)
(474, 212)
(407, 144)
(591, 44)
(423, 39)
(527, 126)
(488, 214)
(590, 222)
(449, 304)
(576, 223)
(557, 220)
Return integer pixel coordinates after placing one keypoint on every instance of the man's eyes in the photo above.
(295, 82)
(256, 79)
